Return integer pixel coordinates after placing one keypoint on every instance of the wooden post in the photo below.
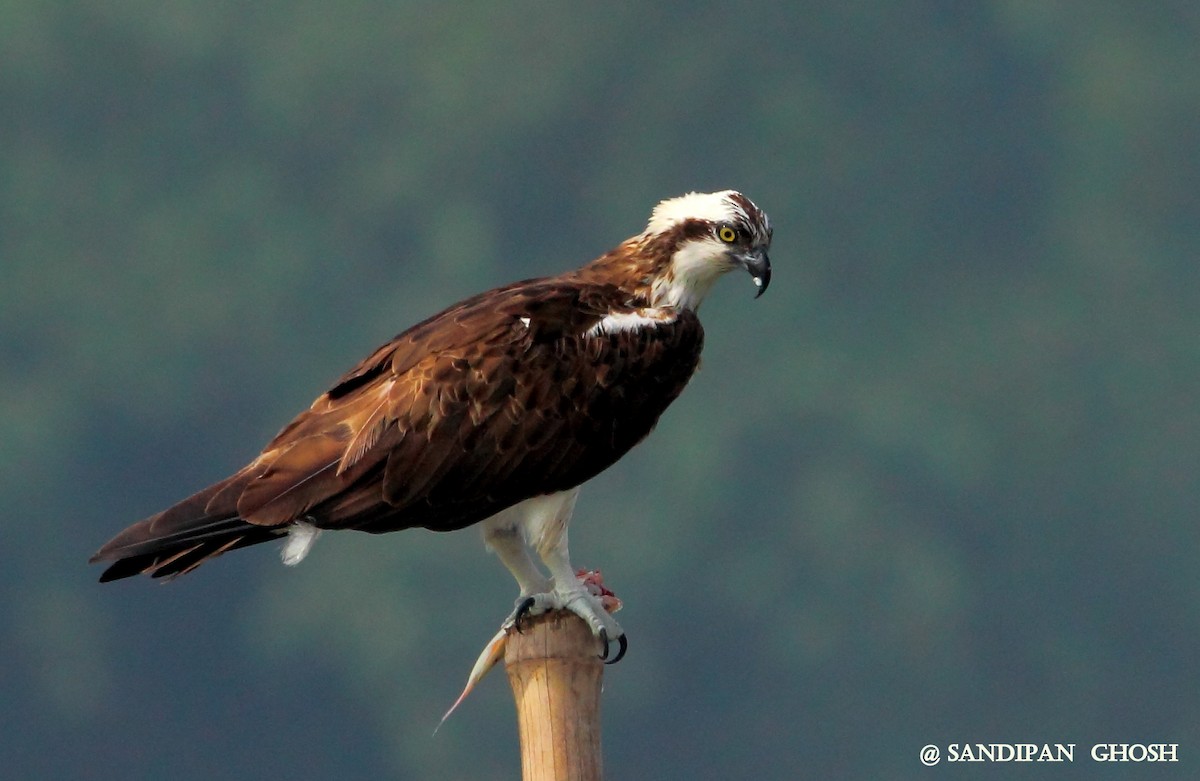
(555, 673)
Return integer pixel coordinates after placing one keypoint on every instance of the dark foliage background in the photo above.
(939, 485)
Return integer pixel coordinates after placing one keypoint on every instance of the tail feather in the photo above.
(182, 537)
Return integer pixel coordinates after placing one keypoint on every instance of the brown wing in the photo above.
(495, 400)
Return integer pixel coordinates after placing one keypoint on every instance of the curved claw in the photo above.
(622, 646)
(522, 612)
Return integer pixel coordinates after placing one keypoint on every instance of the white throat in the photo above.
(695, 266)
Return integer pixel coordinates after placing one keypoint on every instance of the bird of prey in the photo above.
(493, 412)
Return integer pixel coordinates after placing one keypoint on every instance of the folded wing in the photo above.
(508, 395)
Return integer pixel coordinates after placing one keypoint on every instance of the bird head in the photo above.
(700, 236)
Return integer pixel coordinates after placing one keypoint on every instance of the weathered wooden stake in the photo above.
(556, 678)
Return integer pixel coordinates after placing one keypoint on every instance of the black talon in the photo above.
(623, 644)
(522, 612)
(603, 643)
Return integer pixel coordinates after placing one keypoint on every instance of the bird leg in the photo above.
(508, 543)
(541, 523)
(571, 593)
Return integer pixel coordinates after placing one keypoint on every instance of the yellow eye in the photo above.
(727, 234)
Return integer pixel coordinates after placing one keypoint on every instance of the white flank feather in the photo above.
(300, 539)
(629, 321)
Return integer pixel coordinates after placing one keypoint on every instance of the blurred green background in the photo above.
(938, 485)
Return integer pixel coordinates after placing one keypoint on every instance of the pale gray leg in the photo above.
(541, 523)
(509, 545)
(570, 594)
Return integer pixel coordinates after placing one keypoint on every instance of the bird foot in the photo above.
(586, 598)
(591, 581)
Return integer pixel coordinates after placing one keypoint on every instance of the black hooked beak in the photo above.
(759, 266)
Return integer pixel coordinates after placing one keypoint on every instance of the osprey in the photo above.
(494, 411)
